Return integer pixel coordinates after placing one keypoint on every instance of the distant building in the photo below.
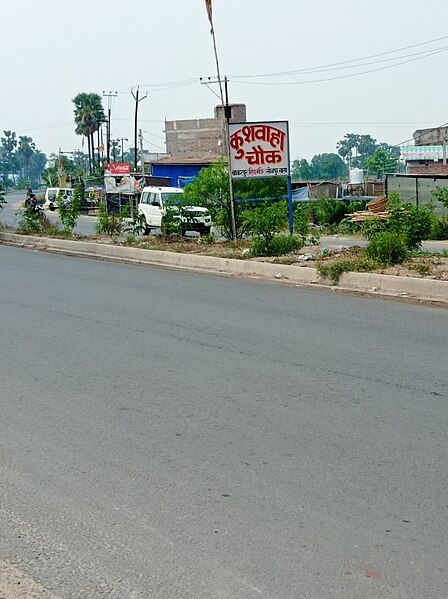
(193, 138)
(429, 152)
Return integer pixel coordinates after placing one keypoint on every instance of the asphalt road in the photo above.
(174, 435)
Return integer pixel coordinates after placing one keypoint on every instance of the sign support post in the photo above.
(290, 207)
(290, 204)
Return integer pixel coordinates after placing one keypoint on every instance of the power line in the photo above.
(333, 64)
(271, 83)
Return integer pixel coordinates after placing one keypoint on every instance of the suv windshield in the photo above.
(172, 198)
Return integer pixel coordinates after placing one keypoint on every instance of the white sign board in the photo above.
(259, 150)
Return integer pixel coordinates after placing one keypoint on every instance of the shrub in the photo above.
(69, 210)
(302, 220)
(387, 248)
(439, 228)
(412, 223)
(170, 222)
(111, 224)
(333, 270)
(328, 211)
(277, 246)
(441, 194)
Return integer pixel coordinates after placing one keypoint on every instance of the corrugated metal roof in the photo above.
(189, 160)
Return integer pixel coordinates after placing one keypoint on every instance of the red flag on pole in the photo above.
(208, 6)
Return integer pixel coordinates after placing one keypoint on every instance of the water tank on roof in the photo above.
(356, 176)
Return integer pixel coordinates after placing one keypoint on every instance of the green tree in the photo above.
(355, 148)
(381, 162)
(211, 189)
(301, 170)
(328, 166)
(8, 156)
(25, 150)
(89, 114)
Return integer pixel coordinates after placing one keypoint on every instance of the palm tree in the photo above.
(89, 114)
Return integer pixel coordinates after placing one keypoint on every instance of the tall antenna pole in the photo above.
(137, 99)
(226, 118)
(109, 97)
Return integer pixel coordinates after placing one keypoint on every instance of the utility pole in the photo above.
(137, 99)
(142, 160)
(226, 115)
(122, 147)
(225, 110)
(109, 97)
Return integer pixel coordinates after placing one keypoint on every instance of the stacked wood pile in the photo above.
(375, 208)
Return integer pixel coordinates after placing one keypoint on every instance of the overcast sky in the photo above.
(52, 50)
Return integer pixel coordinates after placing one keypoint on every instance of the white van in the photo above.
(152, 206)
(51, 195)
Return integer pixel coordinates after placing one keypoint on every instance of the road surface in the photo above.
(175, 435)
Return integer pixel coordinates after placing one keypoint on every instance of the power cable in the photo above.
(271, 83)
(310, 69)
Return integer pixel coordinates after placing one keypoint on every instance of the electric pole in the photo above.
(137, 99)
(140, 137)
(109, 97)
(226, 115)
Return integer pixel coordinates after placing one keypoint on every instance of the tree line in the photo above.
(353, 151)
(21, 162)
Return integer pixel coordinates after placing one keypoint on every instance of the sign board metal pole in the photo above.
(290, 207)
(290, 204)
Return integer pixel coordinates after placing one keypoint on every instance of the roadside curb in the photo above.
(430, 290)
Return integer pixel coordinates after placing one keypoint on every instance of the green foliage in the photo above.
(210, 189)
(322, 166)
(170, 222)
(266, 220)
(412, 223)
(69, 210)
(333, 269)
(439, 227)
(381, 161)
(265, 223)
(359, 149)
(441, 194)
(328, 211)
(302, 220)
(135, 225)
(207, 239)
(387, 248)
(19, 158)
(111, 224)
(35, 222)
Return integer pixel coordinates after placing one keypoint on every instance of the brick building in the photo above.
(200, 138)
(428, 154)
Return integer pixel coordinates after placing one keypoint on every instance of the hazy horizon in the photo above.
(55, 53)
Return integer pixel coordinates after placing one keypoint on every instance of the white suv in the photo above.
(153, 203)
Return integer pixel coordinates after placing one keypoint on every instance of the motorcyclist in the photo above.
(31, 202)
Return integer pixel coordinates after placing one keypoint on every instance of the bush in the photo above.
(170, 222)
(69, 210)
(439, 228)
(328, 211)
(111, 224)
(302, 220)
(266, 220)
(411, 223)
(387, 248)
(277, 246)
(333, 270)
